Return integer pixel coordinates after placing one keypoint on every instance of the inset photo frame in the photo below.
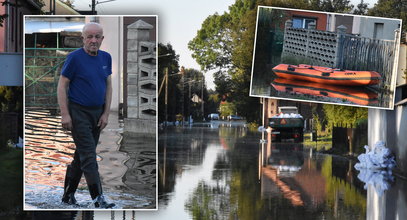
(325, 57)
(90, 137)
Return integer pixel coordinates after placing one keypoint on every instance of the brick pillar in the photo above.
(141, 80)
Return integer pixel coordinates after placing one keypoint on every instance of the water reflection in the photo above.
(127, 170)
(391, 204)
(267, 85)
(322, 92)
(225, 173)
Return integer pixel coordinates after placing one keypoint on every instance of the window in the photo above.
(301, 22)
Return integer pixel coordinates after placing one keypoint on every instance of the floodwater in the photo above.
(127, 166)
(266, 85)
(223, 171)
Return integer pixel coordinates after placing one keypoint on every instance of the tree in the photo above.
(361, 8)
(391, 9)
(211, 47)
(335, 114)
(11, 101)
(168, 60)
(225, 43)
(341, 6)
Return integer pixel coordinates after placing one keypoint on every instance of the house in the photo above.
(11, 31)
(11, 38)
(301, 19)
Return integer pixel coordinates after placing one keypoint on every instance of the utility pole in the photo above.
(182, 93)
(166, 95)
(52, 7)
(202, 98)
(189, 101)
(93, 6)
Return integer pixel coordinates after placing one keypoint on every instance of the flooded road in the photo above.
(226, 172)
(127, 166)
(222, 171)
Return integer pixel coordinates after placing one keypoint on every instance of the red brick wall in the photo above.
(320, 17)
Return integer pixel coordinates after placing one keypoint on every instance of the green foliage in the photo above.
(11, 98)
(317, 123)
(335, 114)
(168, 59)
(225, 43)
(212, 104)
(227, 108)
(338, 190)
(390, 9)
(361, 8)
(211, 48)
(11, 181)
(341, 6)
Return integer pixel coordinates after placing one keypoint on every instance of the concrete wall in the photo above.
(345, 20)
(112, 31)
(113, 34)
(390, 205)
(402, 65)
(141, 80)
(367, 26)
(391, 125)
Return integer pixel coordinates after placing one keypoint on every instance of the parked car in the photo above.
(213, 116)
(234, 117)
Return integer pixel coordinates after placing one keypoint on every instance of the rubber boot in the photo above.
(99, 201)
(72, 179)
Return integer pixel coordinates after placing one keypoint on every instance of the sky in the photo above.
(178, 20)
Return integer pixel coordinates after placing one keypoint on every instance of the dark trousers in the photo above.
(85, 133)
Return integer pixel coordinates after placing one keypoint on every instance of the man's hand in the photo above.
(103, 121)
(66, 122)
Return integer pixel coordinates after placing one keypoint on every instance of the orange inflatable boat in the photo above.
(356, 95)
(327, 75)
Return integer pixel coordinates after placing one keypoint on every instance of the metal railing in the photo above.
(42, 70)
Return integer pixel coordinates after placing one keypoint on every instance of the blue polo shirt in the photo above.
(87, 75)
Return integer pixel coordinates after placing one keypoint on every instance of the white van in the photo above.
(213, 116)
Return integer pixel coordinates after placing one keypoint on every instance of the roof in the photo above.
(42, 26)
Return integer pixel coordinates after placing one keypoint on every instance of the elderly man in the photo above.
(84, 97)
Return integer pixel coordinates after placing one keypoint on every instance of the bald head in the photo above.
(92, 35)
(92, 26)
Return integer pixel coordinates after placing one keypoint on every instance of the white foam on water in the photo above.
(49, 197)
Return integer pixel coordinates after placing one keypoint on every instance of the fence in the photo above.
(42, 69)
(341, 50)
(314, 46)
